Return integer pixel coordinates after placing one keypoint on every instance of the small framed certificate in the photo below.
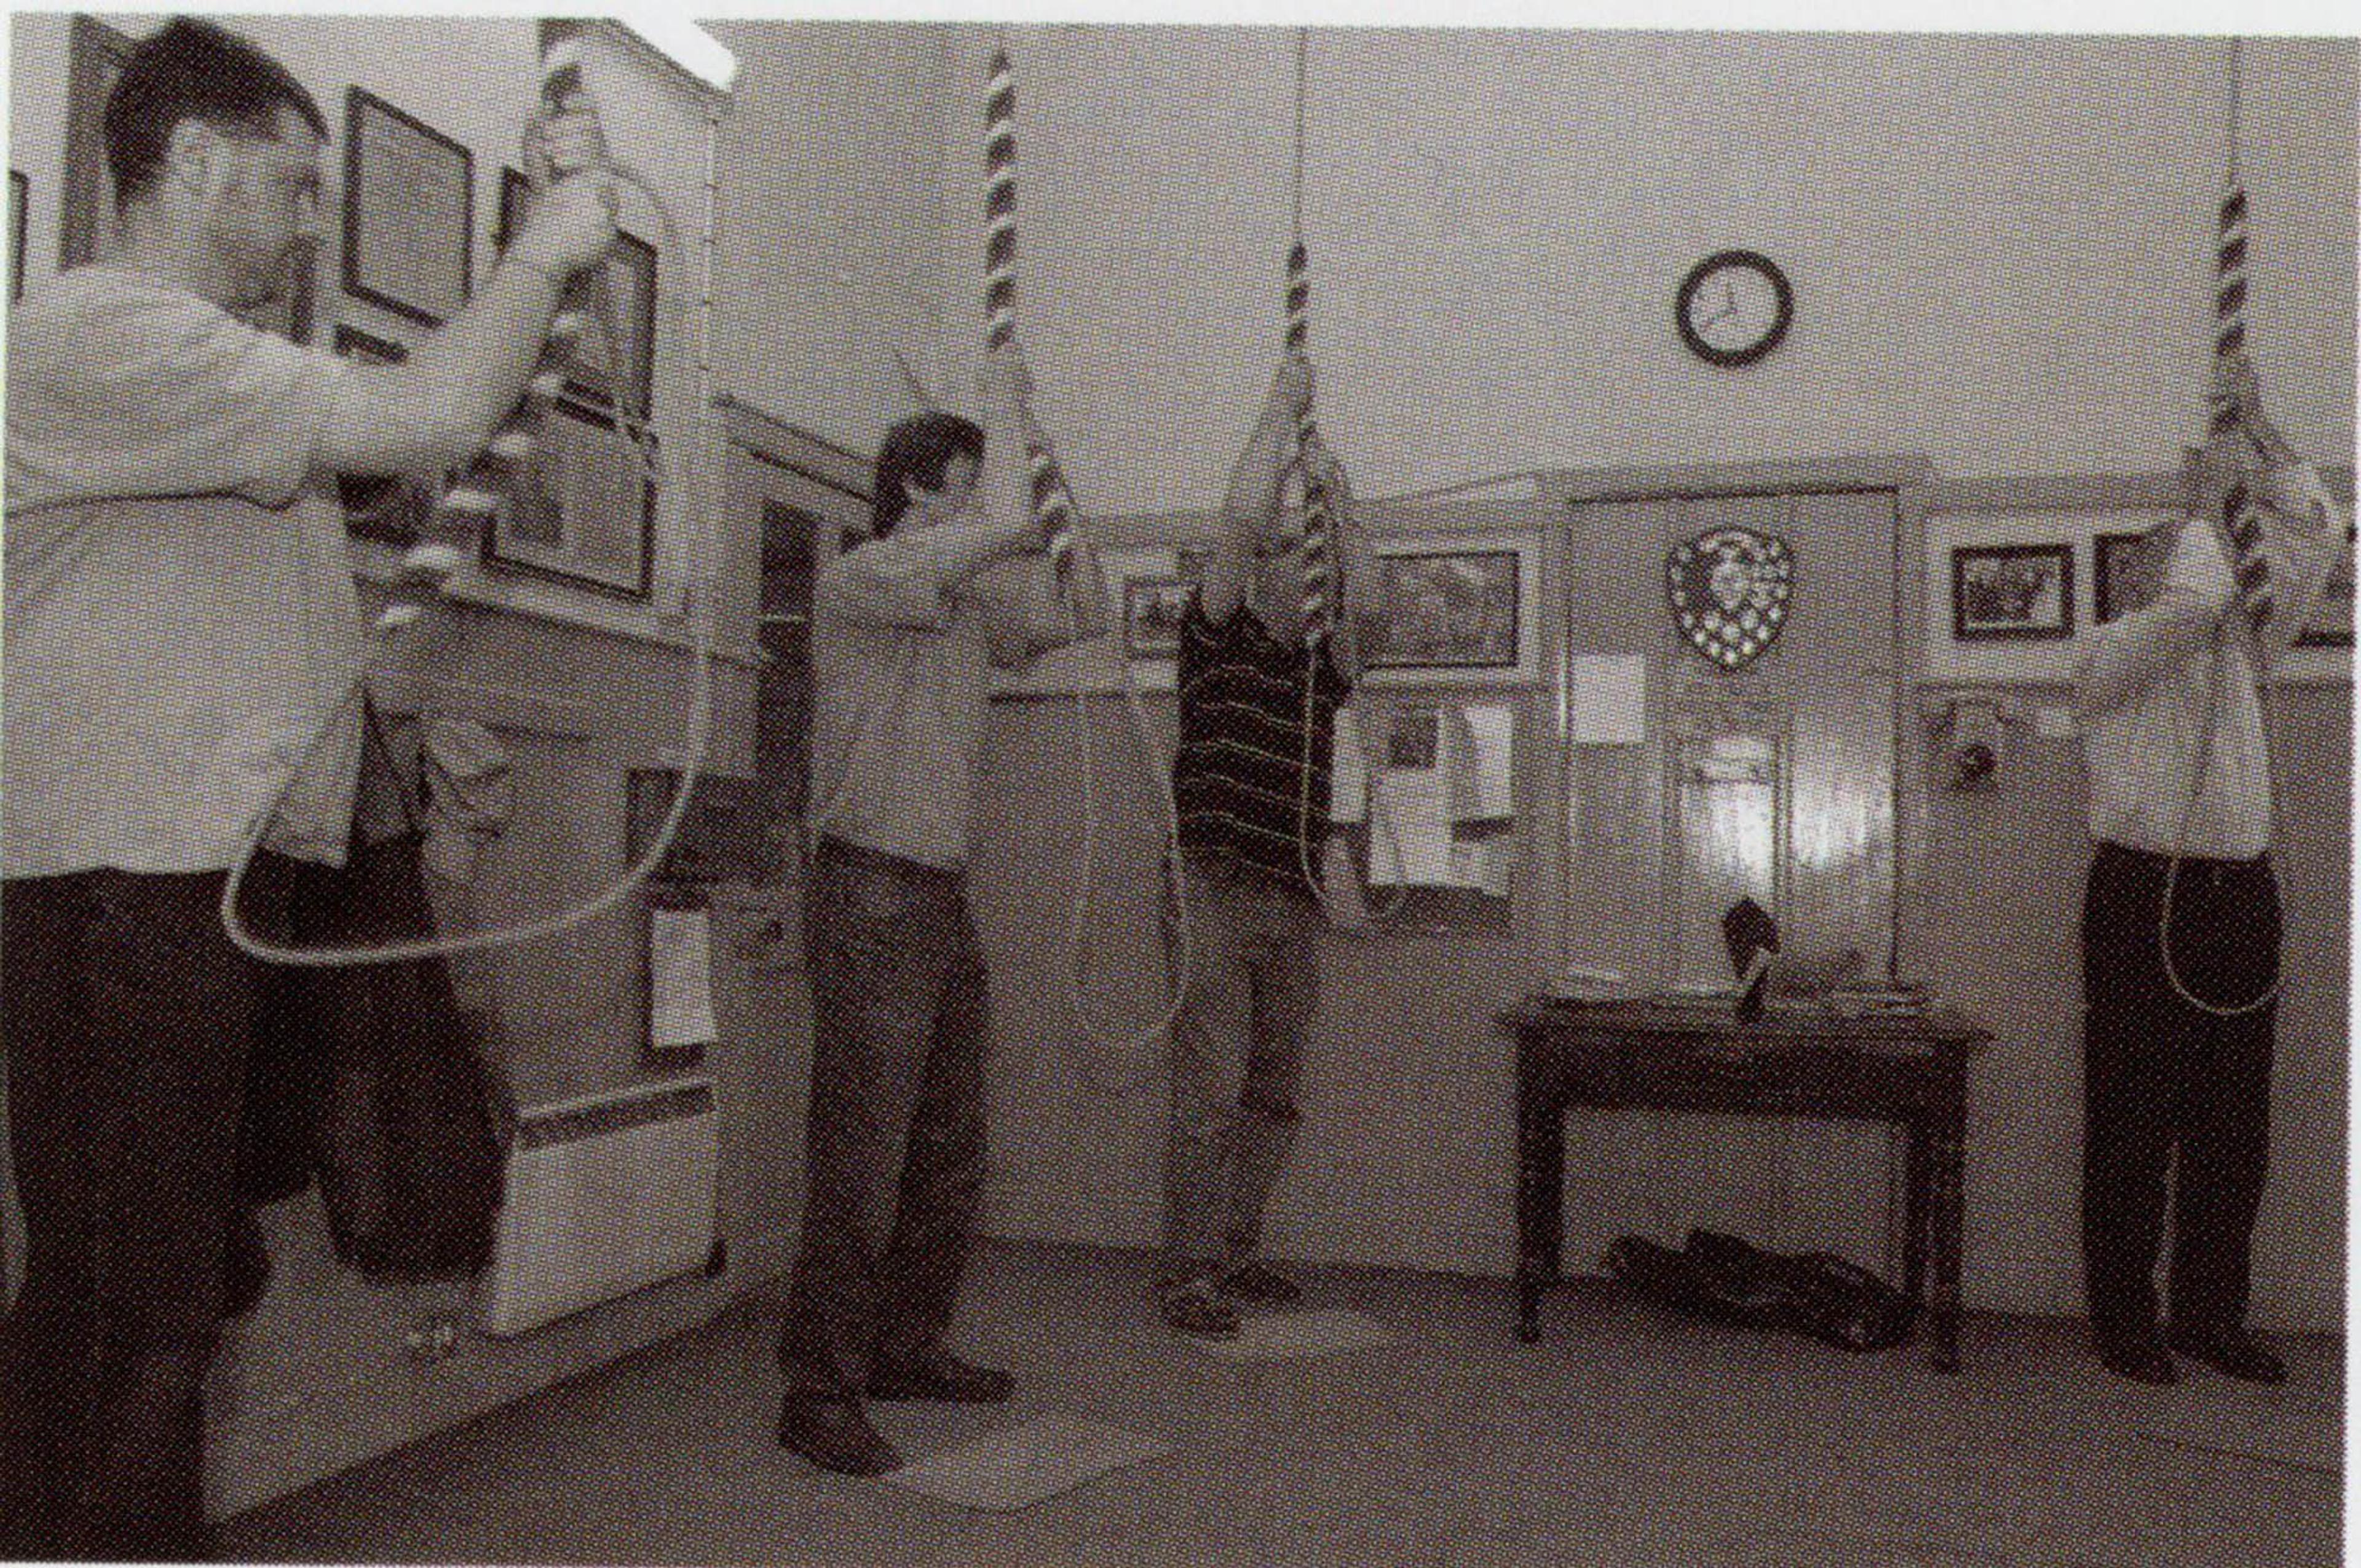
(408, 212)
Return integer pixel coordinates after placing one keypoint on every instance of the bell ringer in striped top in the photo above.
(1238, 776)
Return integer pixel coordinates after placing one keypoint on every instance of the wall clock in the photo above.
(1734, 307)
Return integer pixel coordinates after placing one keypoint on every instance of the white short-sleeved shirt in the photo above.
(182, 630)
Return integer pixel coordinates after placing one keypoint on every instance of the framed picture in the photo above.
(393, 508)
(1462, 611)
(408, 212)
(2012, 593)
(1153, 608)
(95, 57)
(599, 366)
(2125, 575)
(2331, 625)
(15, 235)
(586, 513)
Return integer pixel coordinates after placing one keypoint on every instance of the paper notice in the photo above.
(1610, 700)
(680, 979)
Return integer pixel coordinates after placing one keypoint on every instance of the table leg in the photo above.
(1945, 1217)
(1916, 1174)
(1541, 1175)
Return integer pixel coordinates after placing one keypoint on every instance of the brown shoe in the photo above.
(2140, 1357)
(935, 1373)
(249, 1274)
(835, 1434)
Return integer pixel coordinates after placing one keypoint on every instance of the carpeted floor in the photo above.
(1626, 1438)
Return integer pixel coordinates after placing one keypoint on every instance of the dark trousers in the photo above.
(2164, 1080)
(901, 1029)
(129, 1021)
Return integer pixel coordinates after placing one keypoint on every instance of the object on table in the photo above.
(1752, 937)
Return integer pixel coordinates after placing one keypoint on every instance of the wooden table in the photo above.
(1909, 1069)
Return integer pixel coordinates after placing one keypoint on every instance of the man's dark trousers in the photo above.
(901, 1026)
(2164, 1079)
(129, 1021)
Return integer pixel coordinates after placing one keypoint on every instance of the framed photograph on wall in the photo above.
(408, 212)
(1153, 608)
(585, 513)
(599, 366)
(2125, 575)
(2331, 625)
(2012, 593)
(1458, 611)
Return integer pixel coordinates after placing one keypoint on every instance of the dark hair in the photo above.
(191, 69)
(920, 449)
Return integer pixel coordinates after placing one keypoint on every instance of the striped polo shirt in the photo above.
(1238, 776)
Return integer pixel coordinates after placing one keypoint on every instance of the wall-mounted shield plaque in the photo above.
(1729, 589)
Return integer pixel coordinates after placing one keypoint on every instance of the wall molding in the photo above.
(790, 446)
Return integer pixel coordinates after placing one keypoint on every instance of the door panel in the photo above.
(1774, 782)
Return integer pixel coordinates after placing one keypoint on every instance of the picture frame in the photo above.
(95, 54)
(2125, 575)
(18, 199)
(1457, 611)
(391, 508)
(2331, 625)
(1153, 610)
(598, 368)
(585, 513)
(2012, 593)
(408, 218)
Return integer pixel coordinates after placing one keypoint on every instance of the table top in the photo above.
(1797, 1025)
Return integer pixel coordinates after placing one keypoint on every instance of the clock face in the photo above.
(1734, 308)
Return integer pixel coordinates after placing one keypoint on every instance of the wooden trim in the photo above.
(775, 439)
(2088, 492)
(2065, 492)
(564, 718)
(1801, 476)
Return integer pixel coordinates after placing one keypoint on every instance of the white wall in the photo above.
(831, 213)
(2002, 246)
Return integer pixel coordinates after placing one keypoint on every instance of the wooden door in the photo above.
(1774, 782)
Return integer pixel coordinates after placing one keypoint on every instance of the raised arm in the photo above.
(1360, 618)
(2127, 654)
(1250, 509)
(2305, 530)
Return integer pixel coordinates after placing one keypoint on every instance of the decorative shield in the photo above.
(1729, 589)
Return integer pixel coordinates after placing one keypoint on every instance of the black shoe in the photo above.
(249, 1268)
(936, 1374)
(1198, 1307)
(2140, 1357)
(2232, 1351)
(1259, 1285)
(835, 1434)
